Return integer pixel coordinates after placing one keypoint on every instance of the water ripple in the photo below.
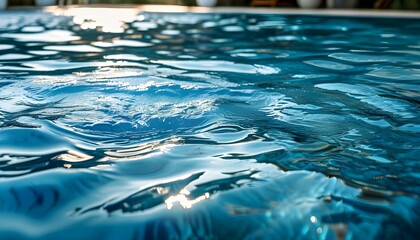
(46, 36)
(155, 126)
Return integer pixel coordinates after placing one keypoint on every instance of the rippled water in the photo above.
(116, 124)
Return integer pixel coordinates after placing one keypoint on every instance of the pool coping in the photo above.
(247, 10)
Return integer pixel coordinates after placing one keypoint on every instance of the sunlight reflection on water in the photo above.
(115, 122)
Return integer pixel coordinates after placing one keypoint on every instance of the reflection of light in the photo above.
(183, 200)
(146, 150)
(141, 18)
(319, 230)
(105, 19)
(72, 156)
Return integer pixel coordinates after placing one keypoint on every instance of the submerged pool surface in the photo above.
(118, 124)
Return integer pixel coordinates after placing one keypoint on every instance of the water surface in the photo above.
(117, 124)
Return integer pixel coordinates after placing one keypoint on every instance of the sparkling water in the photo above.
(118, 124)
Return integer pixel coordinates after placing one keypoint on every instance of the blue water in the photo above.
(116, 124)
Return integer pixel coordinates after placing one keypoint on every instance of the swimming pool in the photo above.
(120, 124)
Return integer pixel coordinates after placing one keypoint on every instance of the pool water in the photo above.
(118, 124)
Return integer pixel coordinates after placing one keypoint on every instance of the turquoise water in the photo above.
(116, 124)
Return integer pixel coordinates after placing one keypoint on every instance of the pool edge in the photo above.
(247, 10)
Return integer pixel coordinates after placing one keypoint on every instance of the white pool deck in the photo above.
(253, 10)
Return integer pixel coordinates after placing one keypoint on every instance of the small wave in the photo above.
(154, 126)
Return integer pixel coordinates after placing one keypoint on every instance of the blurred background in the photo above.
(386, 4)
